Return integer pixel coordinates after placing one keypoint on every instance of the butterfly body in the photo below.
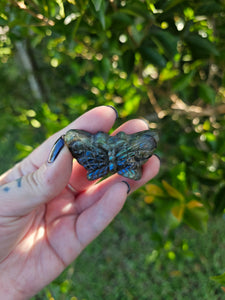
(101, 153)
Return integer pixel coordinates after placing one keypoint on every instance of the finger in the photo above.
(150, 169)
(78, 178)
(132, 126)
(95, 219)
(100, 118)
(26, 193)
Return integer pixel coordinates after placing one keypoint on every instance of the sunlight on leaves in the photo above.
(193, 204)
(178, 212)
(172, 191)
(219, 279)
(155, 190)
(149, 199)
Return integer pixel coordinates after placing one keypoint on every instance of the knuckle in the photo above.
(38, 185)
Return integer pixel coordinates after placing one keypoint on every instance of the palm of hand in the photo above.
(44, 225)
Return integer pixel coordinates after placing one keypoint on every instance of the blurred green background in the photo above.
(163, 61)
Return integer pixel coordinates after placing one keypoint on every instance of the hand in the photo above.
(49, 212)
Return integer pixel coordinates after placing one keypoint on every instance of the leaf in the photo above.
(168, 73)
(172, 3)
(210, 179)
(23, 150)
(102, 17)
(165, 40)
(136, 9)
(219, 279)
(151, 55)
(207, 93)
(208, 8)
(206, 125)
(190, 152)
(201, 47)
(61, 8)
(178, 176)
(128, 61)
(183, 81)
(97, 4)
(155, 190)
(99, 7)
(149, 199)
(105, 67)
(132, 101)
(178, 212)
(172, 191)
(121, 19)
(196, 218)
(193, 204)
(72, 2)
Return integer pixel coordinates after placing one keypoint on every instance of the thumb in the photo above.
(21, 196)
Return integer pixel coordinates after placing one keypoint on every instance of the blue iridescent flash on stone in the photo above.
(101, 153)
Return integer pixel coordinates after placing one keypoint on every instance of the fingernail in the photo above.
(115, 110)
(158, 157)
(57, 147)
(145, 121)
(128, 186)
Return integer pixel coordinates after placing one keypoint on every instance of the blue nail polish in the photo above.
(128, 186)
(57, 147)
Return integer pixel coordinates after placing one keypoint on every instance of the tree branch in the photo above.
(21, 5)
(194, 110)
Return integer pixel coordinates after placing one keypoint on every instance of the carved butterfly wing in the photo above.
(93, 158)
(131, 172)
(135, 151)
(126, 164)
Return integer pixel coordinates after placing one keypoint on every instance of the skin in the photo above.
(43, 224)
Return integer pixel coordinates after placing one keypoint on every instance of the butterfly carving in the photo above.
(101, 153)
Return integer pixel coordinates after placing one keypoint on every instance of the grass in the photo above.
(124, 264)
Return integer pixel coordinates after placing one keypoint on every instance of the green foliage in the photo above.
(180, 204)
(161, 60)
(132, 267)
(220, 278)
